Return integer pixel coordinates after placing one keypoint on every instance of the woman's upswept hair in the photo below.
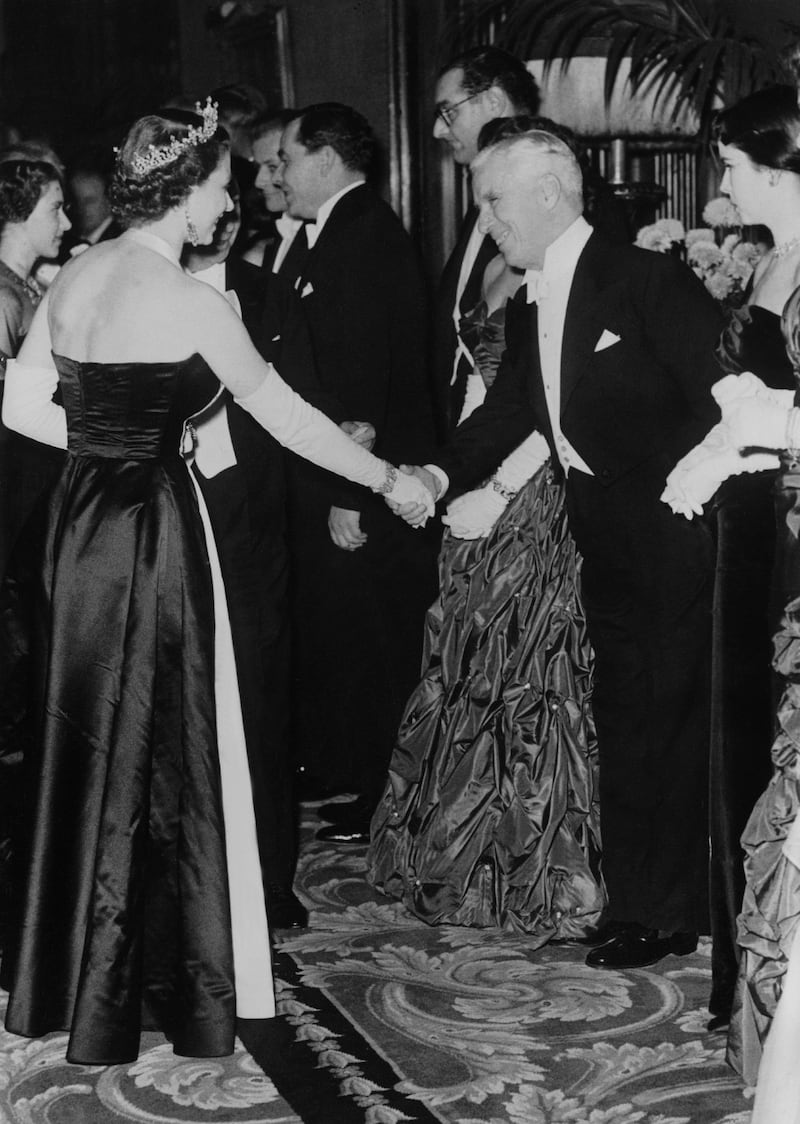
(22, 183)
(765, 126)
(137, 196)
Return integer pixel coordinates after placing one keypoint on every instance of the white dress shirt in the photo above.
(560, 262)
(287, 227)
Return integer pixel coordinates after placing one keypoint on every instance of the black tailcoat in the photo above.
(630, 410)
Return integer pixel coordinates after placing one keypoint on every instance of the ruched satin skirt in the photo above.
(490, 812)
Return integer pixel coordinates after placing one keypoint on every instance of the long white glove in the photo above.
(753, 415)
(757, 415)
(28, 405)
(520, 465)
(310, 434)
(473, 515)
(698, 475)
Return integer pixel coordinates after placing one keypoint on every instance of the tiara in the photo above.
(156, 157)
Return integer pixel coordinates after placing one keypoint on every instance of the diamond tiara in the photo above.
(159, 157)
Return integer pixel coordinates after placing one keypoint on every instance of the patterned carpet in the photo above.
(386, 1020)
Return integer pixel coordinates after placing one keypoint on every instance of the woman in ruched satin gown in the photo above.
(142, 902)
(490, 815)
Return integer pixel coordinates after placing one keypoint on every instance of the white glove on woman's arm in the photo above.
(307, 432)
(473, 515)
(519, 466)
(28, 405)
(756, 414)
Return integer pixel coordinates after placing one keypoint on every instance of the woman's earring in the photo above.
(191, 230)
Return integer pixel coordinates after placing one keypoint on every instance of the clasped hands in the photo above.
(412, 496)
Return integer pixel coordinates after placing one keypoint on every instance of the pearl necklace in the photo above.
(783, 249)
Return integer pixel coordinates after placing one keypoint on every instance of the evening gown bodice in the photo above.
(745, 616)
(142, 904)
(490, 815)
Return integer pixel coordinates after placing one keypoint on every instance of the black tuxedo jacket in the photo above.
(363, 297)
(643, 400)
(603, 210)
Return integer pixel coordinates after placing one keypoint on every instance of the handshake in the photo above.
(413, 494)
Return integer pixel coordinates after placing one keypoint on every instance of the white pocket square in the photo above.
(606, 340)
(308, 289)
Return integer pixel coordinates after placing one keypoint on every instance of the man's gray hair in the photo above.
(533, 144)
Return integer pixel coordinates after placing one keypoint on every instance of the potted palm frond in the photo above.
(696, 50)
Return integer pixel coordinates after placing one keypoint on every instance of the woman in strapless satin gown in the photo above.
(142, 902)
(490, 814)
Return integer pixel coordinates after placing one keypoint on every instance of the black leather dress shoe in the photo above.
(638, 947)
(353, 830)
(284, 909)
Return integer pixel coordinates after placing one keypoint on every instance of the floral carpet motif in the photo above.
(385, 1019)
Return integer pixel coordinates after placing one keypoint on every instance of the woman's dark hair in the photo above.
(144, 196)
(22, 183)
(765, 126)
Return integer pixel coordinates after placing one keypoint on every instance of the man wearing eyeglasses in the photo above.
(472, 89)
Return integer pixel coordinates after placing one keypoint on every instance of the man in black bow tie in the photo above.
(359, 589)
(609, 353)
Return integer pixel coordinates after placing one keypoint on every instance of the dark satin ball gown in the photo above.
(142, 903)
(745, 616)
(770, 916)
(490, 814)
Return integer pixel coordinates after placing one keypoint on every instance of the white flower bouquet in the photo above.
(717, 253)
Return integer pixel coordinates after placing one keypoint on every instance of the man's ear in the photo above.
(550, 189)
(496, 100)
(327, 157)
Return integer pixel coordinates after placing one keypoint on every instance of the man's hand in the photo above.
(363, 433)
(415, 514)
(345, 528)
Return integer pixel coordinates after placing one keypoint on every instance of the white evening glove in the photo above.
(755, 414)
(698, 475)
(473, 515)
(28, 405)
(310, 434)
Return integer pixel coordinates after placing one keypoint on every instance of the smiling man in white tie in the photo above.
(609, 353)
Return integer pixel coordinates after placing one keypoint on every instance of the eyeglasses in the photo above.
(447, 113)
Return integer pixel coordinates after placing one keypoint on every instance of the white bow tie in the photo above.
(537, 285)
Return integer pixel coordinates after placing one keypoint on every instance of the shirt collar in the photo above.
(561, 256)
(324, 213)
(287, 226)
(560, 260)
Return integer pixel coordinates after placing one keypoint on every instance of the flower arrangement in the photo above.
(717, 253)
